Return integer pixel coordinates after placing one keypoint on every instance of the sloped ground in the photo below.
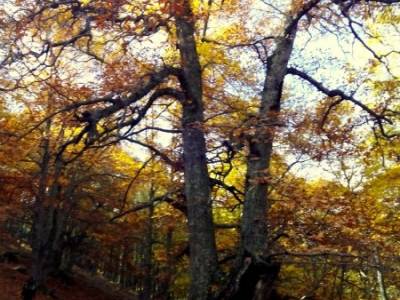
(82, 287)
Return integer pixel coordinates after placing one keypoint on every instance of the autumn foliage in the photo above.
(185, 149)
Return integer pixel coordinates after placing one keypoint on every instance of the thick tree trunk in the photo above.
(30, 287)
(48, 224)
(46, 248)
(254, 223)
(254, 276)
(203, 255)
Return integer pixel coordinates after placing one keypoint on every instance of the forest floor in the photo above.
(81, 286)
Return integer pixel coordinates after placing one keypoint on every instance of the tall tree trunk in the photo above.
(148, 253)
(254, 276)
(380, 278)
(48, 223)
(341, 286)
(46, 247)
(31, 285)
(254, 223)
(203, 255)
(168, 269)
(254, 273)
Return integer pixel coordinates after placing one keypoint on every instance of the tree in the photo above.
(196, 78)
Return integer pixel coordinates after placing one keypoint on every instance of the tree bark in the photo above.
(148, 252)
(380, 278)
(203, 255)
(254, 276)
(254, 223)
(168, 270)
(48, 223)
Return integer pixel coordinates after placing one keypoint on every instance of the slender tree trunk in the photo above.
(203, 255)
(168, 269)
(148, 254)
(380, 279)
(123, 282)
(342, 281)
(382, 288)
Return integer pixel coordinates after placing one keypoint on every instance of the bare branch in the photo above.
(379, 118)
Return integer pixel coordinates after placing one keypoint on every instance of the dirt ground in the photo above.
(81, 287)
